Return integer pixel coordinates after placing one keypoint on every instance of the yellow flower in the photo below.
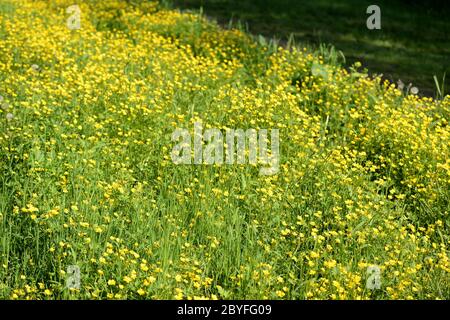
(111, 282)
(178, 294)
(144, 267)
(330, 264)
(141, 292)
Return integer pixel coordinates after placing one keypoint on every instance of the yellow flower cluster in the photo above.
(87, 180)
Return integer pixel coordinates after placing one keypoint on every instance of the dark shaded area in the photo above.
(412, 45)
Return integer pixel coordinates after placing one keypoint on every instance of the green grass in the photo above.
(87, 179)
(413, 44)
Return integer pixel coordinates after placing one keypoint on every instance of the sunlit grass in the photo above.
(87, 179)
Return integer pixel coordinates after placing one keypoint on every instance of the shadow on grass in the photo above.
(412, 45)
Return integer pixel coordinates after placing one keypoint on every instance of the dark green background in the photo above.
(413, 44)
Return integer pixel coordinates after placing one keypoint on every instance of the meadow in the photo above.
(87, 179)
